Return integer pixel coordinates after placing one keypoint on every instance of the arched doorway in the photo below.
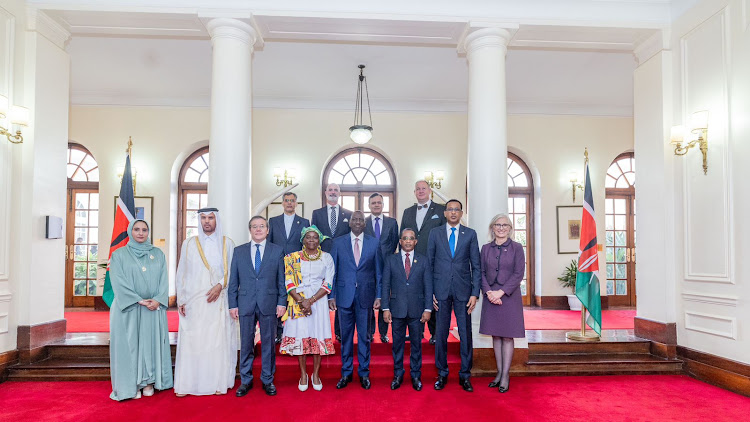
(521, 211)
(82, 227)
(619, 222)
(193, 195)
(360, 172)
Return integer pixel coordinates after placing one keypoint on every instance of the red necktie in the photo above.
(407, 265)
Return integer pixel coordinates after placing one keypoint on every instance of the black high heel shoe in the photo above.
(494, 384)
(503, 389)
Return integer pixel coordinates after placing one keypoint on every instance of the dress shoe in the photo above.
(137, 395)
(416, 383)
(440, 383)
(338, 338)
(396, 383)
(303, 387)
(148, 391)
(502, 389)
(365, 382)
(270, 389)
(494, 384)
(384, 339)
(343, 382)
(432, 340)
(244, 389)
(278, 340)
(466, 385)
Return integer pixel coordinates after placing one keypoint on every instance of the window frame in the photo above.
(360, 188)
(183, 188)
(528, 193)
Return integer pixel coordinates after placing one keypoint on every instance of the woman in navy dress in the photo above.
(503, 267)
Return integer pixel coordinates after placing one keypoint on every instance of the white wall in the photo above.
(307, 140)
(711, 45)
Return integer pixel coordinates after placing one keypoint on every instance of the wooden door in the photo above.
(82, 247)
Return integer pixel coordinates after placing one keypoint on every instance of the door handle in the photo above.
(72, 252)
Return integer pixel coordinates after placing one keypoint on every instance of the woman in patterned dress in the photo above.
(307, 331)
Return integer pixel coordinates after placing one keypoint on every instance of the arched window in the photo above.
(521, 211)
(193, 194)
(360, 172)
(619, 221)
(82, 227)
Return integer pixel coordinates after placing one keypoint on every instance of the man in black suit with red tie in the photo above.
(407, 301)
(424, 216)
(385, 229)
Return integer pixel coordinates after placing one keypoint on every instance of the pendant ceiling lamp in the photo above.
(360, 132)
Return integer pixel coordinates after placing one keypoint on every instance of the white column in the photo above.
(488, 144)
(231, 124)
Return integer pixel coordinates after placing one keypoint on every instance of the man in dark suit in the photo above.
(257, 294)
(385, 229)
(356, 291)
(453, 251)
(285, 230)
(333, 221)
(424, 216)
(407, 301)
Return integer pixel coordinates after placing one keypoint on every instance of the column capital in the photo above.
(56, 32)
(481, 35)
(230, 28)
(647, 48)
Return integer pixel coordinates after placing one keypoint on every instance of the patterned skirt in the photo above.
(310, 335)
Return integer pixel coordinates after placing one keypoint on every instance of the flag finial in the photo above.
(130, 145)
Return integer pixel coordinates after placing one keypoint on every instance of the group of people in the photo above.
(288, 279)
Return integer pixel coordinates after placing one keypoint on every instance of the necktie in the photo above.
(419, 207)
(333, 220)
(257, 258)
(452, 242)
(407, 266)
(357, 252)
(377, 228)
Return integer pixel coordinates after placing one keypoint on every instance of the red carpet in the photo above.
(612, 398)
(98, 322)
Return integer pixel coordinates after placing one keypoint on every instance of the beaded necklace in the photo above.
(315, 257)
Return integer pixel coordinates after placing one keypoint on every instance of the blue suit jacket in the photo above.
(388, 234)
(461, 275)
(320, 220)
(265, 289)
(407, 297)
(351, 279)
(277, 233)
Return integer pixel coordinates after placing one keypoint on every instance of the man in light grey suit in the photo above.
(257, 294)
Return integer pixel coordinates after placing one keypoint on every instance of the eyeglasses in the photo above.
(258, 226)
(454, 209)
(408, 238)
(503, 226)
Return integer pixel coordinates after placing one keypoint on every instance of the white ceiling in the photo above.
(158, 53)
(127, 71)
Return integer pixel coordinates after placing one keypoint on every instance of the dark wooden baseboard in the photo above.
(721, 372)
(561, 302)
(7, 359)
(100, 304)
(484, 361)
(33, 338)
(660, 332)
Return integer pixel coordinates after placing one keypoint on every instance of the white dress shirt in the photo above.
(422, 213)
(361, 238)
(253, 249)
(381, 223)
(338, 216)
(288, 221)
(448, 231)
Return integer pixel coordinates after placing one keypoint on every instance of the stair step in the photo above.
(597, 359)
(570, 348)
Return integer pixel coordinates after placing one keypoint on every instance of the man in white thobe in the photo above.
(207, 342)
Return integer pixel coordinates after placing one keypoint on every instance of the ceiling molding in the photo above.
(651, 46)
(38, 21)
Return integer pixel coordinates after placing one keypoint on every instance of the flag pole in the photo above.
(583, 335)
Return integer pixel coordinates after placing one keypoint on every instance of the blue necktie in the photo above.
(452, 242)
(257, 258)
(377, 228)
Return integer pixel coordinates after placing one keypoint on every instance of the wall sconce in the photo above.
(574, 184)
(434, 179)
(19, 116)
(285, 178)
(133, 172)
(698, 136)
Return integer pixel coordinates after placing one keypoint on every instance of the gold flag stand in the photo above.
(582, 335)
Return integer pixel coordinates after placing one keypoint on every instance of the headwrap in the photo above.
(139, 249)
(218, 244)
(312, 229)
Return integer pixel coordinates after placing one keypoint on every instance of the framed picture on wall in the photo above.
(144, 210)
(277, 208)
(568, 228)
